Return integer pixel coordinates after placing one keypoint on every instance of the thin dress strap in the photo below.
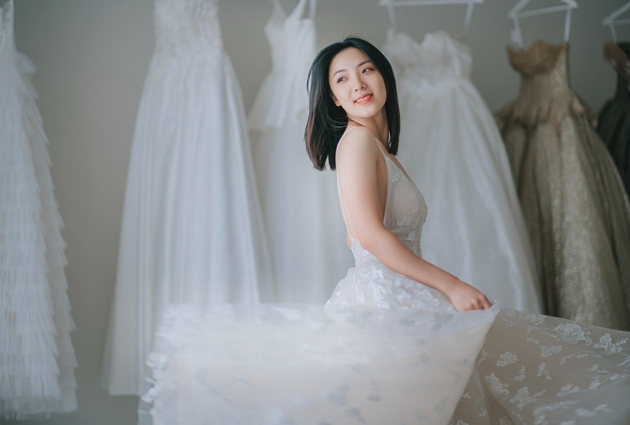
(343, 210)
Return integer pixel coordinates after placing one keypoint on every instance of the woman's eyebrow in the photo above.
(359, 65)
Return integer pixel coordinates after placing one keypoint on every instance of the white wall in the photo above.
(92, 57)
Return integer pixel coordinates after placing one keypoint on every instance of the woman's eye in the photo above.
(366, 70)
(341, 79)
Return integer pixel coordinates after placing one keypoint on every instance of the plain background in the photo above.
(92, 57)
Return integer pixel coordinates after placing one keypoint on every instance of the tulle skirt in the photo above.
(192, 229)
(296, 364)
(37, 359)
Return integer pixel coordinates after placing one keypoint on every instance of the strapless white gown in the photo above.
(192, 229)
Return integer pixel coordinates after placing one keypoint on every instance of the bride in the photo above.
(400, 341)
(353, 82)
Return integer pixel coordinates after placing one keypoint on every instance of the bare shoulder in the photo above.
(358, 146)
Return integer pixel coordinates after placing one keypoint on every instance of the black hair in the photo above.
(327, 122)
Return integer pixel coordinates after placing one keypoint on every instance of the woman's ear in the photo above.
(334, 98)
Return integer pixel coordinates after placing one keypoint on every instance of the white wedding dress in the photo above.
(192, 229)
(302, 220)
(385, 350)
(452, 149)
(37, 359)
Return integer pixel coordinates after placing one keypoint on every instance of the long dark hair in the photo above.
(327, 122)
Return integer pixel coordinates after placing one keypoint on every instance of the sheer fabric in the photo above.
(452, 149)
(192, 229)
(37, 359)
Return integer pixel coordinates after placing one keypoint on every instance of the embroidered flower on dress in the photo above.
(548, 350)
(522, 397)
(506, 359)
(498, 389)
(572, 333)
(610, 347)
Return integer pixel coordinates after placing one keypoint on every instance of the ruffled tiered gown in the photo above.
(384, 350)
(192, 229)
(302, 220)
(452, 149)
(574, 202)
(613, 125)
(37, 359)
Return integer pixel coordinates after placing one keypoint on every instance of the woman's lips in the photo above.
(363, 99)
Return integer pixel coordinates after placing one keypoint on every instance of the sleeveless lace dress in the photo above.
(453, 151)
(37, 359)
(575, 205)
(192, 229)
(302, 221)
(385, 350)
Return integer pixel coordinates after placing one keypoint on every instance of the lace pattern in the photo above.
(186, 27)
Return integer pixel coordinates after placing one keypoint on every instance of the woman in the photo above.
(389, 350)
(352, 86)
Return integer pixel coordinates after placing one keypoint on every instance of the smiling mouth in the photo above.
(363, 99)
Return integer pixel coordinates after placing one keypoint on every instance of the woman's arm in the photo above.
(358, 156)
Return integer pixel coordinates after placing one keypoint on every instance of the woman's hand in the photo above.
(464, 297)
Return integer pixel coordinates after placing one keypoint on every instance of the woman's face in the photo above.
(356, 84)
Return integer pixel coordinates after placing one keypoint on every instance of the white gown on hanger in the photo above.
(37, 359)
(387, 350)
(452, 149)
(192, 229)
(300, 208)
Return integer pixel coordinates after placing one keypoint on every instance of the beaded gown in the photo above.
(37, 358)
(574, 201)
(302, 220)
(613, 125)
(453, 151)
(385, 349)
(192, 229)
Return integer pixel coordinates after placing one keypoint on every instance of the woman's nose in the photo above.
(359, 85)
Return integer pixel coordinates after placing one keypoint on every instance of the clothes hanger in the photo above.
(390, 4)
(517, 12)
(611, 20)
(614, 55)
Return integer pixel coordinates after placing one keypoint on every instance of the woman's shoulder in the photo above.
(358, 147)
(357, 138)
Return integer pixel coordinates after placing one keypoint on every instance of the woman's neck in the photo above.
(377, 125)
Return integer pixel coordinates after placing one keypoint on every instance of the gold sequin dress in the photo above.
(573, 199)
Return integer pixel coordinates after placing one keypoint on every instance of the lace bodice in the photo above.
(186, 27)
(437, 59)
(405, 211)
